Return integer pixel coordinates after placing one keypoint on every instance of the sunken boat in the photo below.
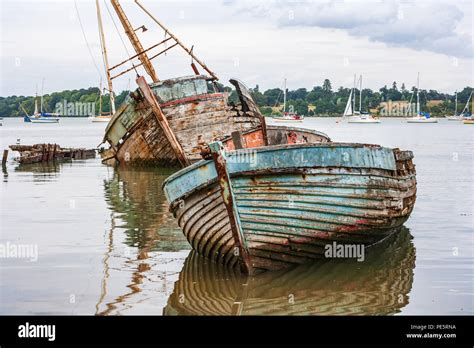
(168, 122)
(272, 207)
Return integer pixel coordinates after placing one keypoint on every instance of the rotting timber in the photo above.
(169, 122)
(50, 152)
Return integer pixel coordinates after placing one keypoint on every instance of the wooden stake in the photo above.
(5, 156)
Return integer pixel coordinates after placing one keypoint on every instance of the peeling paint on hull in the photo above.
(294, 200)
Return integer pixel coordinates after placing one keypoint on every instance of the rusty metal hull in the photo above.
(293, 200)
(336, 287)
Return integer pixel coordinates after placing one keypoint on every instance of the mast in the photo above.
(188, 51)
(360, 96)
(42, 92)
(100, 98)
(106, 63)
(36, 104)
(135, 41)
(284, 95)
(418, 94)
(353, 96)
(456, 105)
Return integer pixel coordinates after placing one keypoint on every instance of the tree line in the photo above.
(15, 106)
(319, 101)
(327, 102)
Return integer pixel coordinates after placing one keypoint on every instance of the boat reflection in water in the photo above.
(143, 243)
(380, 285)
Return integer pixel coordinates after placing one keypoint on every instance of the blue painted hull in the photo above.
(41, 119)
(294, 200)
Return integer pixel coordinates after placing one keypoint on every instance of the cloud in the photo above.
(420, 25)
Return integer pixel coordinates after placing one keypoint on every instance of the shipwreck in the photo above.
(168, 122)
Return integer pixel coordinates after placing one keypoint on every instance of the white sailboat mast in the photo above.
(284, 95)
(353, 95)
(36, 105)
(360, 95)
(456, 105)
(106, 60)
(42, 92)
(418, 94)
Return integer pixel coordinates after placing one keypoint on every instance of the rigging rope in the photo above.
(85, 39)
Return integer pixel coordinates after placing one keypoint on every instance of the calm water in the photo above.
(108, 245)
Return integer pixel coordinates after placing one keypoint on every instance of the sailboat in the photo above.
(40, 116)
(465, 114)
(288, 116)
(104, 117)
(455, 117)
(421, 117)
(357, 116)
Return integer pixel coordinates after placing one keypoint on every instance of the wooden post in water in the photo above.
(4, 158)
(223, 178)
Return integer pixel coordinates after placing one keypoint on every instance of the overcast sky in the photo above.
(259, 42)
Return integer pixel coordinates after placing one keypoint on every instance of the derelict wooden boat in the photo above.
(167, 123)
(137, 137)
(326, 287)
(272, 207)
(195, 115)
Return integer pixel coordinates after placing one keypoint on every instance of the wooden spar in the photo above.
(135, 41)
(162, 120)
(136, 55)
(219, 159)
(189, 51)
(137, 65)
(106, 60)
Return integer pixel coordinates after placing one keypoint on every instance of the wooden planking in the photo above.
(279, 235)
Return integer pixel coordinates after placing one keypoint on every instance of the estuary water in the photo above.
(101, 240)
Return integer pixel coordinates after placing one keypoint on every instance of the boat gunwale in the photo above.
(283, 170)
(286, 128)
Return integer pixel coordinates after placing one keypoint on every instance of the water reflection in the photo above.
(146, 229)
(140, 208)
(379, 285)
(42, 169)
